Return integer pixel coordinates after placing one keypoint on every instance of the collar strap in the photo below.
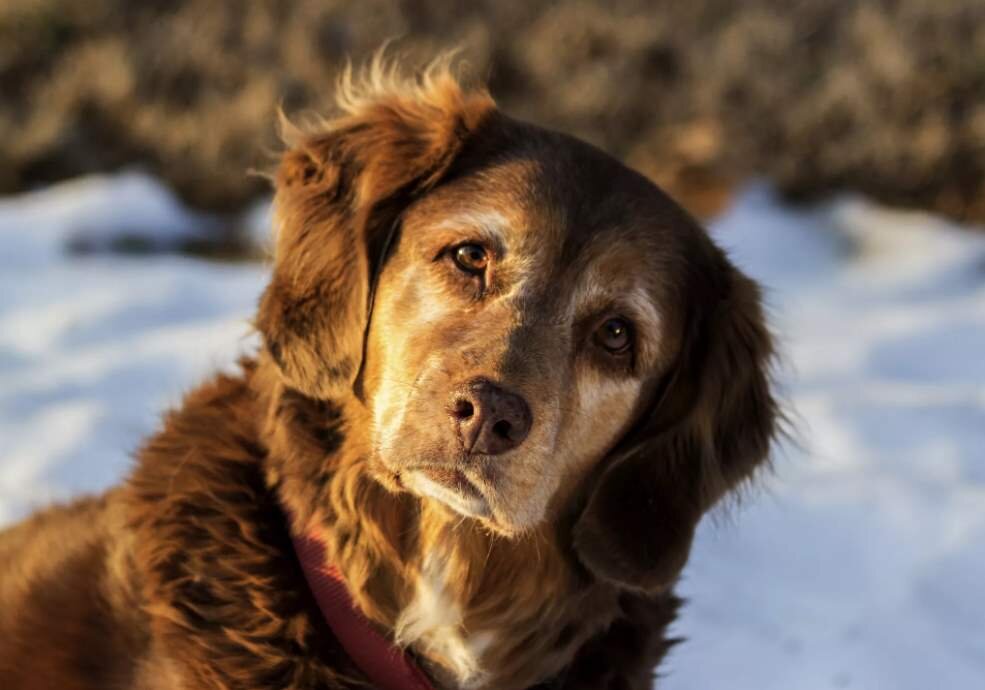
(386, 665)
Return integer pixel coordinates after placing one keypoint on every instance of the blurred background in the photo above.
(837, 149)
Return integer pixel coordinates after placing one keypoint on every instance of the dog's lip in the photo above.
(452, 486)
(452, 478)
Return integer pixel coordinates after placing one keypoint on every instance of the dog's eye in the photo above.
(471, 258)
(615, 335)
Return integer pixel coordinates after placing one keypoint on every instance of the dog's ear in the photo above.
(339, 191)
(711, 426)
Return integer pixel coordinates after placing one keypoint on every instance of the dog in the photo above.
(501, 379)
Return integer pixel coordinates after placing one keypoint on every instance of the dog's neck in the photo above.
(478, 610)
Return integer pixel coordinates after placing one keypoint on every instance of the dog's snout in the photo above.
(489, 420)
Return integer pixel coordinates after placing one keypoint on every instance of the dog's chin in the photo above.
(451, 488)
(462, 494)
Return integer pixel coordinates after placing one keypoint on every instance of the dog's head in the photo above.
(537, 333)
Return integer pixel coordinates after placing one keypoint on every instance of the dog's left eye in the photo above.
(471, 258)
(615, 335)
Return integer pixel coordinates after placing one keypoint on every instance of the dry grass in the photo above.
(883, 97)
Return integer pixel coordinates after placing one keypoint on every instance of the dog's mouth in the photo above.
(453, 479)
(452, 487)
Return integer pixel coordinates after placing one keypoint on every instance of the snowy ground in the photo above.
(93, 347)
(860, 563)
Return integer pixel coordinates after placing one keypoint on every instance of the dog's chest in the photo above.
(433, 623)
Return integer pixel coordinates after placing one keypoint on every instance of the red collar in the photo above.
(385, 664)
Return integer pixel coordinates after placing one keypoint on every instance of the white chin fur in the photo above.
(469, 506)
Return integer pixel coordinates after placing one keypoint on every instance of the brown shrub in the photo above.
(882, 97)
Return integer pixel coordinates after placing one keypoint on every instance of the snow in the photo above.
(859, 562)
(94, 346)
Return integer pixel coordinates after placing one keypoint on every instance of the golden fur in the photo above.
(558, 567)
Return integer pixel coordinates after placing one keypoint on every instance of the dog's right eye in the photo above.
(471, 258)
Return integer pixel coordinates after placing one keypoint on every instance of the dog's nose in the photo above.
(489, 420)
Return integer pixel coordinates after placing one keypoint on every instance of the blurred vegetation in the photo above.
(887, 97)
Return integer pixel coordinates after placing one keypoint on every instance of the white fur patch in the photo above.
(594, 291)
(645, 310)
(590, 291)
(433, 623)
(600, 395)
(466, 505)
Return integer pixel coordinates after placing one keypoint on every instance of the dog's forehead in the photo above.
(567, 211)
(556, 192)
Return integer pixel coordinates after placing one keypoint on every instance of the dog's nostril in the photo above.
(502, 428)
(463, 409)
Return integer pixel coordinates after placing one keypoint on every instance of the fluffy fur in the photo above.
(184, 577)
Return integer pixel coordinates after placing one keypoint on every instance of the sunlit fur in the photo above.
(411, 373)
(477, 589)
(184, 577)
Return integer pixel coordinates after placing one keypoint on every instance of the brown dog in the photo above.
(502, 379)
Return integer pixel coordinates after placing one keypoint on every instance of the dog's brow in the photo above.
(490, 224)
(594, 292)
(643, 305)
(590, 292)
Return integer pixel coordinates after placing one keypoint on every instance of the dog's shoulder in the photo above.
(183, 576)
(213, 553)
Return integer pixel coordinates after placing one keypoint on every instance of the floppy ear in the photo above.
(713, 424)
(339, 192)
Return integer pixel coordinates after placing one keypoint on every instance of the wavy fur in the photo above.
(185, 576)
